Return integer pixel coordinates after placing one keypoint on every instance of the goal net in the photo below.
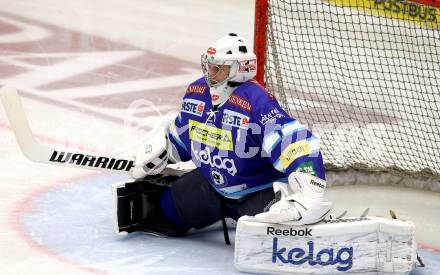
(363, 74)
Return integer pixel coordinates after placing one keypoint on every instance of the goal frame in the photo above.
(355, 175)
(260, 38)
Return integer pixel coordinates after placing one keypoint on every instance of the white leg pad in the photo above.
(361, 245)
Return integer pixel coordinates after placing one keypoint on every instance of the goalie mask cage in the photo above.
(364, 75)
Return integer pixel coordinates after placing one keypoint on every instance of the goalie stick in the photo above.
(37, 152)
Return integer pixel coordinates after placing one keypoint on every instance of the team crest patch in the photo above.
(193, 107)
(218, 178)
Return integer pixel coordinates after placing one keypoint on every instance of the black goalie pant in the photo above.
(199, 205)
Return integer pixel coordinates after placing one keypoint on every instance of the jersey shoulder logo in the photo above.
(271, 116)
(235, 119)
(193, 107)
(240, 102)
(294, 151)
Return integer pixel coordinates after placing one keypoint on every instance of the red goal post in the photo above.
(260, 29)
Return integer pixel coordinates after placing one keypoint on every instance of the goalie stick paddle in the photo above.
(37, 152)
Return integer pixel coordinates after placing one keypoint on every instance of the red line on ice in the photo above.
(23, 205)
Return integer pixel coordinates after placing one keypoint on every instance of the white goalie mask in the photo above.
(229, 60)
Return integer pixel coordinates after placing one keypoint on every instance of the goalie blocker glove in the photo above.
(136, 207)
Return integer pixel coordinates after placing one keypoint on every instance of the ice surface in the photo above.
(75, 222)
(56, 220)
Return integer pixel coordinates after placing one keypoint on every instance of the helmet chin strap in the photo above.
(221, 93)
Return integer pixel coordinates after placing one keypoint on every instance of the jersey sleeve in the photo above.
(288, 143)
(175, 133)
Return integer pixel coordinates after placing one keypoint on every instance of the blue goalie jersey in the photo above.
(244, 145)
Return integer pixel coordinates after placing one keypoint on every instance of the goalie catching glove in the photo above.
(302, 201)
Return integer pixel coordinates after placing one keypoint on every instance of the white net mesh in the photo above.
(364, 76)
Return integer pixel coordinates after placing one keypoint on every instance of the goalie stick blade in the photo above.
(34, 151)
